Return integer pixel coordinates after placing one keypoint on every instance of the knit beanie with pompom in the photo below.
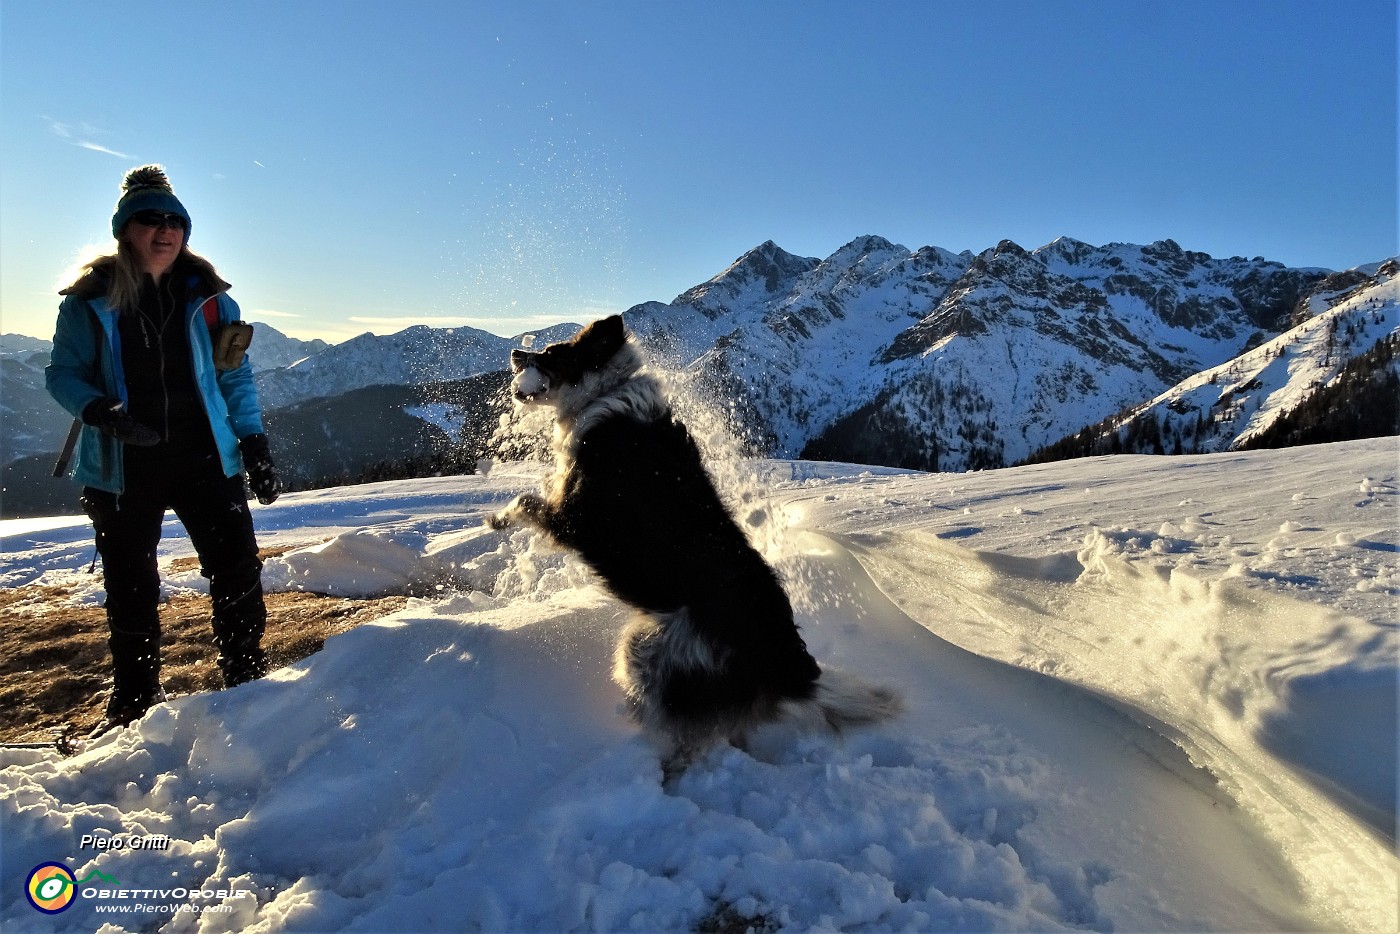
(146, 188)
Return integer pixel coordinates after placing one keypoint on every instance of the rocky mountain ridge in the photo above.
(947, 361)
(417, 355)
(876, 354)
(1347, 329)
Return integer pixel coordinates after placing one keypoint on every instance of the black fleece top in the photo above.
(160, 384)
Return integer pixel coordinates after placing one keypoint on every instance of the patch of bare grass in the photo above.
(55, 668)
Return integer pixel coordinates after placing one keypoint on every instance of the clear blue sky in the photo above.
(364, 166)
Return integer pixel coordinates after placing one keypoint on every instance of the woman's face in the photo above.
(156, 240)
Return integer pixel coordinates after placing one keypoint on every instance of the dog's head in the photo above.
(541, 377)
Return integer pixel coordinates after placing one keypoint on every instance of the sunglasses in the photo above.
(159, 219)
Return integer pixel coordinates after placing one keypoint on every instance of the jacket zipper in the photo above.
(165, 321)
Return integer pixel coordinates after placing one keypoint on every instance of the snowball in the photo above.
(530, 382)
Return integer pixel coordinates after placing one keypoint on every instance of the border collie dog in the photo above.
(713, 651)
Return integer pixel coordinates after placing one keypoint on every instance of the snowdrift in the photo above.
(1144, 694)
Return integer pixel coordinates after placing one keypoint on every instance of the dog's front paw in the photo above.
(524, 508)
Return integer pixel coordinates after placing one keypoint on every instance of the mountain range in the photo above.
(942, 361)
(876, 354)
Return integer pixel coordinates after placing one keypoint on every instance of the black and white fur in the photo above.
(713, 651)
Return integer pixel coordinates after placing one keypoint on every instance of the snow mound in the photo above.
(1128, 708)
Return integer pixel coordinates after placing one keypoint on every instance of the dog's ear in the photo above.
(613, 329)
(599, 341)
(603, 332)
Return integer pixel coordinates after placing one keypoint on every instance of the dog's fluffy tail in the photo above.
(843, 701)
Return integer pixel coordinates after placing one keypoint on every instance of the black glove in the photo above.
(109, 416)
(262, 474)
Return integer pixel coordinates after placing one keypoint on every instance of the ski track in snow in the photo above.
(1143, 694)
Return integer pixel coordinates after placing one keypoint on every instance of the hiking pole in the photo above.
(61, 466)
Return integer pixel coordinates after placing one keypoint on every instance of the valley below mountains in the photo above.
(877, 354)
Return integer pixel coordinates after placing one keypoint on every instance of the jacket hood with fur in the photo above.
(92, 282)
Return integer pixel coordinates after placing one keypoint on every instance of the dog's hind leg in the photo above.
(681, 746)
(634, 668)
(739, 739)
(675, 758)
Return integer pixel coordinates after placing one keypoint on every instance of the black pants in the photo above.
(214, 511)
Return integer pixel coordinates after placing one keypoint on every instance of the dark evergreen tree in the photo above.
(1362, 402)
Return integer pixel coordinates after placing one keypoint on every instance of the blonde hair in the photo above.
(118, 276)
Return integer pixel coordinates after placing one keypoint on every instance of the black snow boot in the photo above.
(246, 664)
(135, 680)
(240, 618)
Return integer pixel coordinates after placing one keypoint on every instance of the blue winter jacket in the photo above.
(86, 364)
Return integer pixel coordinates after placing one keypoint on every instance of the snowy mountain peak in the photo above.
(1068, 250)
(862, 248)
(936, 255)
(272, 349)
(1009, 248)
(764, 270)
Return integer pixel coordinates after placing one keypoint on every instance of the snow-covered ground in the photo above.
(1143, 694)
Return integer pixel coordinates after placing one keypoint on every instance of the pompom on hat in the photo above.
(146, 188)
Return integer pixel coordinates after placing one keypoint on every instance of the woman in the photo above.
(134, 358)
